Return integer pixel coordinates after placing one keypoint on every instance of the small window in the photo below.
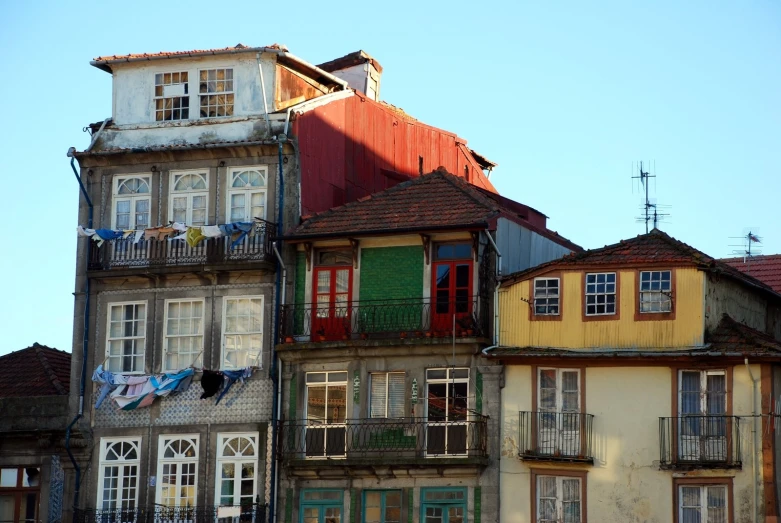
(452, 251)
(546, 296)
(189, 194)
(216, 92)
(705, 503)
(330, 258)
(242, 339)
(387, 395)
(183, 341)
(382, 506)
(558, 499)
(655, 291)
(600, 293)
(172, 96)
(126, 337)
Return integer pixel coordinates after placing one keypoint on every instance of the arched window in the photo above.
(237, 466)
(247, 194)
(177, 470)
(118, 481)
(189, 195)
(132, 201)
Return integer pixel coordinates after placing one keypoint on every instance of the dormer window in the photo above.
(172, 97)
(600, 294)
(655, 291)
(216, 92)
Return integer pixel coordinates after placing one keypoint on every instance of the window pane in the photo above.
(378, 400)
(8, 477)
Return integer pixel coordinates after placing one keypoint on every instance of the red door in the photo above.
(452, 295)
(331, 318)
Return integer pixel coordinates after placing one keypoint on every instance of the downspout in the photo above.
(754, 445)
(496, 289)
(85, 334)
(263, 89)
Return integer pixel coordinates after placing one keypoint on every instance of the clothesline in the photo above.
(174, 231)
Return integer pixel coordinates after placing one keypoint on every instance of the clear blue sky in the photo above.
(565, 98)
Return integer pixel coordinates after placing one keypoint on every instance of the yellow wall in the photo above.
(625, 484)
(572, 332)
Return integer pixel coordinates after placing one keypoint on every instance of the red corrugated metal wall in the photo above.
(354, 147)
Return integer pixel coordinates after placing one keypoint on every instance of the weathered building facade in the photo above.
(388, 411)
(641, 380)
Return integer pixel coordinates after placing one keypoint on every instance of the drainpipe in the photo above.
(496, 289)
(754, 445)
(263, 89)
(85, 334)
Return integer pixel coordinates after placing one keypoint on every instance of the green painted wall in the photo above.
(478, 505)
(289, 505)
(300, 290)
(410, 502)
(392, 273)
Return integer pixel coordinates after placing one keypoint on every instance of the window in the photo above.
(703, 503)
(131, 203)
(382, 506)
(189, 194)
(387, 395)
(126, 339)
(326, 408)
(172, 96)
(655, 291)
(558, 418)
(216, 92)
(600, 294)
(332, 280)
(703, 424)
(247, 194)
(237, 468)
(447, 396)
(452, 286)
(242, 332)
(19, 493)
(118, 475)
(177, 471)
(183, 341)
(558, 499)
(546, 296)
(443, 505)
(321, 506)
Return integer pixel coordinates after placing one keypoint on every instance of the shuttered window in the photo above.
(387, 395)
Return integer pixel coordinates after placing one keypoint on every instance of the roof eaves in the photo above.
(383, 232)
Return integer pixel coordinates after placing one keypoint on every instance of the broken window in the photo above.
(216, 92)
(655, 291)
(546, 296)
(172, 97)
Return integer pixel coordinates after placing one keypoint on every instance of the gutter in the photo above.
(382, 232)
(496, 287)
(105, 65)
(163, 148)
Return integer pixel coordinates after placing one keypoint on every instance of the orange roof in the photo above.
(37, 370)
(765, 268)
(102, 61)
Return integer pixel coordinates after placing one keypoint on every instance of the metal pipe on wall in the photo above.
(754, 445)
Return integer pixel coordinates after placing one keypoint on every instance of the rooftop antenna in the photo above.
(747, 248)
(650, 209)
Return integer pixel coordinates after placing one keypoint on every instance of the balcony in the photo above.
(699, 442)
(250, 513)
(146, 254)
(556, 436)
(384, 442)
(382, 319)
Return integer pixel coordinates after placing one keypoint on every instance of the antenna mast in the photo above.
(650, 210)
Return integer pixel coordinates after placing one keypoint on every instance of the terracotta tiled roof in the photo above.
(653, 247)
(179, 54)
(766, 268)
(731, 336)
(37, 370)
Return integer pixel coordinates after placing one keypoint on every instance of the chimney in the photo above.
(359, 70)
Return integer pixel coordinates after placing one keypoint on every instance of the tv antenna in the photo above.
(650, 209)
(747, 248)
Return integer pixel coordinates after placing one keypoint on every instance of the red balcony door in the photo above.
(451, 288)
(332, 316)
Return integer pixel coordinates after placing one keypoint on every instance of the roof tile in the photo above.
(37, 370)
(766, 268)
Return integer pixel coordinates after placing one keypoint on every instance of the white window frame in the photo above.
(318, 424)
(559, 499)
(179, 461)
(123, 465)
(586, 294)
(386, 410)
(237, 461)
(188, 194)
(248, 191)
(223, 351)
(660, 296)
(166, 337)
(546, 297)
(703, 506)
(198, 94)
(109, 339)
(559, 388)
(134, 198)
(184, 95)
(703, 390)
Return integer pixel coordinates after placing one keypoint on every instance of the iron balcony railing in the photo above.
(556, 436)
(688, 442)
(126, 253)
(384, 439)
(249, 513)
(370, 319)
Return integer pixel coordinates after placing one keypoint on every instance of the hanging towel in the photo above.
(210, 381)
(139, 392)
(106, 378)
(179, 227)
(158, 233)
(232, 376)
(108, 234)
(211, 231)
(194, 236)
(138, 236)
(84, 232)
(168, 383)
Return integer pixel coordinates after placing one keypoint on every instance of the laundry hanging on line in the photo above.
(220, 382)
(130, 392)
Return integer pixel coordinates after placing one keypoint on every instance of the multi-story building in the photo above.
(389, 413)
(640, 385)
(245, 137)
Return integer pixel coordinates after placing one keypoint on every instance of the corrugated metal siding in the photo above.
(522, 248)
(347, 147)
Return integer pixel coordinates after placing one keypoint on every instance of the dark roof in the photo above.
(766, 268)
(732, 336)
(37, 370)
(349, 60)
(655, 247)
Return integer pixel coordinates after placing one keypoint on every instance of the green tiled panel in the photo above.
(289, 506)
(392, 273)
(353, 503)
(410, 503)
(478, 504)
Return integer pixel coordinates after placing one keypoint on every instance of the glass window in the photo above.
(131, 203)
(655, 291)
(321, 506)
(443, 505)
(546, 296)
(188, 198)
(242, 339)
(600, 294)
(702, 504)
(19, 494)
(326, 409)
(118, 481)
(215, 91)
(447, 412)
(387, 395)
(237, 468)
(177, 471)
(126, 337)
(183, 341)
(382, 506)
(452, 251)
(172, 96)
(247, 194)
(558, 499)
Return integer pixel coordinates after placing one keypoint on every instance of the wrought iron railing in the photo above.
(700, 442)
(126, 253)
(250, 513)
(556, 436)
(379, 438)
(369, 319)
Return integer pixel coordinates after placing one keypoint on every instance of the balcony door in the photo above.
(451, 288)
(177, 473)
(332, 280)
(558, 405)
(702, 407)
(447, 392)
(326, 408)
